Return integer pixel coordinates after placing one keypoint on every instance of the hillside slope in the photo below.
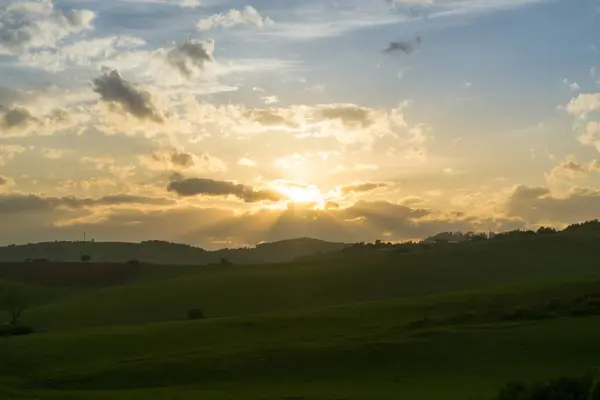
(471, 345)
(243, 290)
(158, 252)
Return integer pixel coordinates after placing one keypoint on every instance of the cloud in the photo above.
(3, 181)
(191, 57)
(584, 104)
(248, 16)
(591, 137)
(90, 53)
(53, 154)
(178, 160)
(572, 86)
(363, 187)
(18, 121)
(8, 152)
(26, 25)
(209, 187)
(16, 118)
(406, 47)
(26, 203)
(270, 99)
(116, 91)
(247, 162)
(348, 114)
(570, 168)
(539, 205)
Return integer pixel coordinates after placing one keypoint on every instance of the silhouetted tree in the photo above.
(14, 305)
(195, 314)
(545, 231)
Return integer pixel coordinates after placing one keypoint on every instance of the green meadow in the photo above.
(455, 322)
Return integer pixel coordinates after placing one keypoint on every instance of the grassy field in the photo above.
(454, 323)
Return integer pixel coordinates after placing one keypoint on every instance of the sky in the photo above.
(226, 123)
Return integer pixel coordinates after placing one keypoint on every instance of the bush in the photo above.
(133, 262)
(514, 391)
(595, 390)
(195, 314)
(18, 330)
(563, 388)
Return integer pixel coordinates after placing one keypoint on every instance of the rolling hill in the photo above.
(455, 321)
(159, 252)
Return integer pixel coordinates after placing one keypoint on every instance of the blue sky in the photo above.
(121, 116)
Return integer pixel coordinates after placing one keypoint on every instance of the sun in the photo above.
(303, 195)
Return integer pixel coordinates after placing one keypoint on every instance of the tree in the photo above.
(85, 258)
(195, 313)
(13, 304)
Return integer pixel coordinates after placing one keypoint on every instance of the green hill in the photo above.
(447, 322)
(159, 252)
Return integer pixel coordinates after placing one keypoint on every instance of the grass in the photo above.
(165, 293)
(455, 323)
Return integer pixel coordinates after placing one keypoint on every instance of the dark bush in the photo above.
(595, 390)
(514, 391)
(133, 262)
(195, 314)
(563, 388)
(18, 330)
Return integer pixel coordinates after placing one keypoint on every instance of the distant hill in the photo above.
(159, 252)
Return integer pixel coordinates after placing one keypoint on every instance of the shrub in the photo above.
(595, 390)
(195, 314)
(18, 330)
(563, 388)
(513, 391)
(133, 262)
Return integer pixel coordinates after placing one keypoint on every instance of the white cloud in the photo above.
(91, 53)
(248, 16)
(573, 86)
(8, 152)
(591, 136)
(270, 99)
(584, 104)
(27, 25)
(247, 162)
(53, 154)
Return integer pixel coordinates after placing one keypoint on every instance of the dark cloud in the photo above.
(192, 56)
(16, 118)
(115, 90)
(181, 159)
(363, 187)
(21, 203)
(332, 205)
(207, 227)
(349, 114)
(209, 187)
(406, 47)
(538, 205)
(271, 117)
(3, 180)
